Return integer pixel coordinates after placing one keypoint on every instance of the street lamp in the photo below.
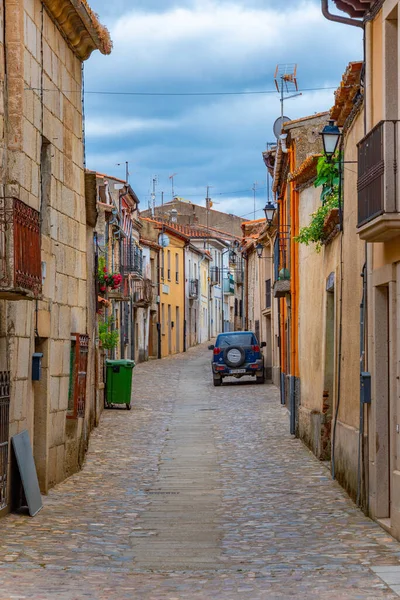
(269, 210)
(259, 250)
(330, 139)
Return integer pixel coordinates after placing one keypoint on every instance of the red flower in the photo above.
(103, 288)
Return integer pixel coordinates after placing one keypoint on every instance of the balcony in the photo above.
(142, 292)
(20, 255)
(239, 274)
(193, 289)
(378, 198)
(229, 285)
(132, 259)
(215, 276)
(281, 288)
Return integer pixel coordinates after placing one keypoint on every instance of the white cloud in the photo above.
(198, 43)
(104, 127)
(202, 46)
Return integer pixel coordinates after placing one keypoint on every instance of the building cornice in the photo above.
(80, 26)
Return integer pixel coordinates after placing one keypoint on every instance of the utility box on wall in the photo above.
(37, 366)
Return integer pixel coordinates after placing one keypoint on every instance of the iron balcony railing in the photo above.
(377, 163)
(239, 274)
(132, 258)
(215, 276)
(194, 288)
(20, 249)
(371, 170)
(142, 292)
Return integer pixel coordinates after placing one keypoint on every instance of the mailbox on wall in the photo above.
(366, 388)
(37, 366)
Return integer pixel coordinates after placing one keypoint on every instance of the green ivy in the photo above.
(108, 337)
(327, 177)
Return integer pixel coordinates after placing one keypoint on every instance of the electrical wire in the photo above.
(163, 94)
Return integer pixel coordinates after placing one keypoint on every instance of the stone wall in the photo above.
(44, 169)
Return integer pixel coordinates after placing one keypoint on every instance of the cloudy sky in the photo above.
(203, 46)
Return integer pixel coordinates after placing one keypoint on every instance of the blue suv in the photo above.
(237, 354)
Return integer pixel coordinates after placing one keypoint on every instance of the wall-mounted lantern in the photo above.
(270, 211)
(330, 139)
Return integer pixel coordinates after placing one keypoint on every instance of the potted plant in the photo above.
(106, 279)
(107, 335)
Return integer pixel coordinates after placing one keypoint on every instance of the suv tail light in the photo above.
(256, 348)
(217, 350)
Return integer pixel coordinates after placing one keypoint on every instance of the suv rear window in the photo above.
(241, 339)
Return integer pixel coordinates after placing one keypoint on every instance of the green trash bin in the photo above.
(119, 382)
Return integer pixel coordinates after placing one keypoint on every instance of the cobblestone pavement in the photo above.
(197, 493)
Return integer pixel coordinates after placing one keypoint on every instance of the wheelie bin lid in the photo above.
(129, 364)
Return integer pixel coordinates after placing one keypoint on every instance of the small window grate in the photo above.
(4, 434)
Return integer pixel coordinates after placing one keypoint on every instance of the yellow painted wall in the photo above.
(173, 295)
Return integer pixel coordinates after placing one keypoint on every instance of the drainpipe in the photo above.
(184, 298)
(337, 19)
(246, 322)
(159, 324)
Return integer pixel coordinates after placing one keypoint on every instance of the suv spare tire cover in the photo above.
(234, 356)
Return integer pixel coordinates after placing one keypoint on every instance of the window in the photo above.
(177, 268)
(268, 293)
(169, 265)
(238, 339)
(77, 375)
(162, 264)
(163, 319)
(236, 307)
(241, 308)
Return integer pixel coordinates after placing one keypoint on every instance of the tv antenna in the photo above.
(286, 82)
(171, 177)
(126, 170)
(153, 196)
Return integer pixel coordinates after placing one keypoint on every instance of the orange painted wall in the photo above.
(289, 211)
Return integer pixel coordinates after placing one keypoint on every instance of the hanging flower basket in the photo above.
(107, 280)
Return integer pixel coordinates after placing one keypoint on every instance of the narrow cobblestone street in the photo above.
(197, 493)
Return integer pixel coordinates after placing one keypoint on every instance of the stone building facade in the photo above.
(185, 212)
(376, 207)
(44, 293)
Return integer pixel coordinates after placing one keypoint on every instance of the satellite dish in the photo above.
(163, 240)
(279, 124)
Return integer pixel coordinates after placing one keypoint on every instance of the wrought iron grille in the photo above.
(215, 275)
(20, 257)
(4, 434)
(371, 171)
(193, 288)
(78, 373)
(82, 371)
(132, 260)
